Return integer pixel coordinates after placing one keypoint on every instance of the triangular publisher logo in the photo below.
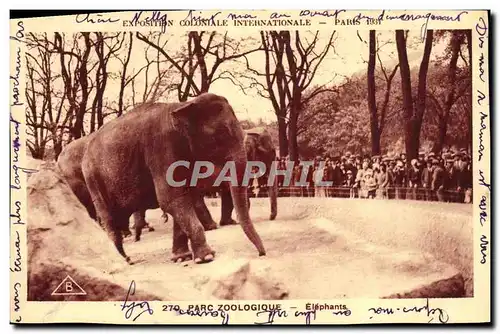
(68, 287)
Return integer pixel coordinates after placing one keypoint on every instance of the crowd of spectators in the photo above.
(445, 177)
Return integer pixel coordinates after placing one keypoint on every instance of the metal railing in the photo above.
(401, 193)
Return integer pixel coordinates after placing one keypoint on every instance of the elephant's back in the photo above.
(70, 160)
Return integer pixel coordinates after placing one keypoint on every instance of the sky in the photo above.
(347, 58)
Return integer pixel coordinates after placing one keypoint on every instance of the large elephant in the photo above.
(125, 165)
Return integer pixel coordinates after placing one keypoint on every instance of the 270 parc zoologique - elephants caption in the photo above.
(121, 170)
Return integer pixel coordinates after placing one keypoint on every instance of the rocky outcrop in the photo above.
(245, 279)
(63, 240)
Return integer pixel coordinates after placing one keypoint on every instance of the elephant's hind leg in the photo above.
(112, 222)
(202, 211)
(226, 208)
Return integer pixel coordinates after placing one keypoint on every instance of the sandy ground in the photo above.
(318, 248)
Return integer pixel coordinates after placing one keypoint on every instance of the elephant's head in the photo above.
(214, 134)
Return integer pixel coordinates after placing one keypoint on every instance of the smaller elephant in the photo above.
(259, 147)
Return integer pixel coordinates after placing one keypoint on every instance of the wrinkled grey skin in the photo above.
(70, 165)
(125, 164)
(259, 147)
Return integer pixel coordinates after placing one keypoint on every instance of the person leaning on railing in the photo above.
(426, 180)
(399, 174)
(438, 180)
(382, 181)
(413, 180)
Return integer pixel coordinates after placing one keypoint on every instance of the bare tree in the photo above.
(45, 118)
(198, 66)
(291, 63)
(377, 113)
(413, 115)
(104, 53)
(443, 105)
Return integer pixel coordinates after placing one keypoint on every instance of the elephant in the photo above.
(125, 164)
(69, 163)
(259, 147)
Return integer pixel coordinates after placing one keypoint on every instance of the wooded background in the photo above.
(396, 104)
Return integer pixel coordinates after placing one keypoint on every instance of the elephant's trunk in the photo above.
(240, 197)
(240, 200)
(273, 197)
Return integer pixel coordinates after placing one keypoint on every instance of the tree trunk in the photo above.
(123, 77)
(413, 118)
(443, 127)
(293, 146)
(292, 141)
(82, 76)
(283, 140)
(404, 70)
(372, 104)
(422, 93)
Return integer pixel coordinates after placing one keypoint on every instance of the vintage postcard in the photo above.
(250, 167)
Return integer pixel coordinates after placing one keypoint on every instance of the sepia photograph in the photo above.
(282, 162)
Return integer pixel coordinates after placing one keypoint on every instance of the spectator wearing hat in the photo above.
(382, 182)
(426, 179)
(464, 180)
(438, 180)
(360, 181)
(413, 180)
(370, 183)
(318, 176)
(350, 183)
(391, 165)
(402, 156)
(399, 179)
(297, 174)
(451, 184)
(310, 180)
(330, 174)
(467, 182)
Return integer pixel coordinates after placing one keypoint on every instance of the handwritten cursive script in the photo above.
(94, 18)
(130, 307)
(325, 13)
(233, 16)
(483, 127)
(271, 314)
(16, 144)
(15, 78)
(484, 248)
(17, 306)
(193, 18)
(442, 315)
(481, 29)
(482, 213)
(205, 313)
(482, 181)
(18, 258)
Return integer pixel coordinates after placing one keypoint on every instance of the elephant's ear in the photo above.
(205, 104)
(186, 110)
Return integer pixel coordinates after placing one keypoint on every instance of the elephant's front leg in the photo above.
(180, 247)
(202, 211)
(189, 227)
(226, 208)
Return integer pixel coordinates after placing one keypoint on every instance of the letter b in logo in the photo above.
(69, 286)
